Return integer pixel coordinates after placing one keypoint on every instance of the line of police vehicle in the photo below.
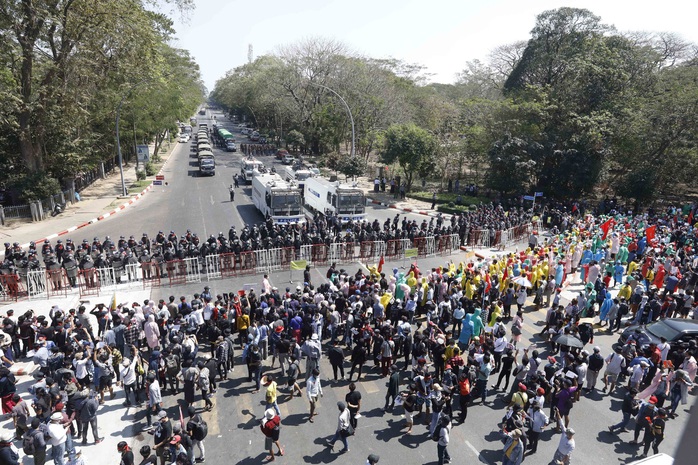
(296, 193)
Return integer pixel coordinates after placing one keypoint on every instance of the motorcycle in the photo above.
(58, 209)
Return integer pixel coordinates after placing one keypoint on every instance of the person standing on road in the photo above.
(314, 390)
(539, 421)
(231, 190)
(344, 428)
(433, 200)
(656, 433)
(204, 383)
(195, 429)
(271, 427)
(566, 445)
(444, 438)
(57, 438)
(353, 400)
(336, 356)
(393, 388)
(271, 393)
(372, 459)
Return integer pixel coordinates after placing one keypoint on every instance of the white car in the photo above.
(184, 138)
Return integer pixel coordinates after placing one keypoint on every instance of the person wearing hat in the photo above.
(8, 453)
(520, 397)
(57, 437)
(538, 421)
(271, 427)
(372, 459)
(513, 452)
(614, 365)
(638, 373)
(162, 435)
(344, 428)
(176, 446)
(655, 435)
(566, 446)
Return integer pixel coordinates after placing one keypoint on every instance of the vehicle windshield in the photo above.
(285, 200)
(351, 200)
(661, 329)
(300, 176)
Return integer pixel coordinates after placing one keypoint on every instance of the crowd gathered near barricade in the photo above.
(445, 338)
(74, 256)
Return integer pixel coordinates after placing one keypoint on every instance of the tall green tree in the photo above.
(412, 148)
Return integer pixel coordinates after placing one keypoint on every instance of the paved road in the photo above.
(238, 411)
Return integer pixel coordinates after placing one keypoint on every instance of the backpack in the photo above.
(28, 444)
(436, 435)
(171, 366)
(200, 430)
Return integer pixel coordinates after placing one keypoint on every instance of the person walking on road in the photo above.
(629, 407)
(655, 435)
(513, 448)
(197, 430)
(57, 438)
(344, 428)
(271, 427)
(336, 356)
(231, 190)
(314, 390)
(566, 444)
(433, 200)
(353, 400)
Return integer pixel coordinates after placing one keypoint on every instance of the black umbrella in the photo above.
(569, 341)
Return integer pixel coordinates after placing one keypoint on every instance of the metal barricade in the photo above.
(318, 253)
(366, 251)
(335, 252)
(443, 245)
(394, 249)
(226, 264)
(288, 254)
(420, 243)
(88, 282)
(36, 283)
(350, 252)
(245, 263)
(261, 260)
(176, 272)
(454, 242)
(274, 257)
(132, 273)
(305, 253)
(212, 266)
(193, 269)
(430, 246)
(107, 277)
(11, 287)
(58, 282)
(151, 273)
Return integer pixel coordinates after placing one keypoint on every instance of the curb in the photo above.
(121, 207)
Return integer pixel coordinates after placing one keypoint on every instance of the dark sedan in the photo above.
(675, 330)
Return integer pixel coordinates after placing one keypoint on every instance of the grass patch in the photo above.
(138, 186)
(448, 198)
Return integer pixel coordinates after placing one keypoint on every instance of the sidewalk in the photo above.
(98, 201)
(386, 199)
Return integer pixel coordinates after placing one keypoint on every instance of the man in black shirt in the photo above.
(162, 435)
(336, 356)
(353, 400)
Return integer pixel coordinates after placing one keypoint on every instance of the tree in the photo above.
(351, 166)
(412, 148)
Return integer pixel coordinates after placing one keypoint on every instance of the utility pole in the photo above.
(250, 55)
(351, 118)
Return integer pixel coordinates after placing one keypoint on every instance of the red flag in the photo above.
(488, 284)
(690, 217)
(650, 232)
(605, 227)
(381, 262)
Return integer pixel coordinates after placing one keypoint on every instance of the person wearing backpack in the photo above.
(197, 430)
(172, 369)
(34, 442)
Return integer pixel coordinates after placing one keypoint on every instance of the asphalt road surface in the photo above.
(234, 423)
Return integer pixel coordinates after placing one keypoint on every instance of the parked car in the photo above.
(675, 330)
(280, 154)
(287, 159)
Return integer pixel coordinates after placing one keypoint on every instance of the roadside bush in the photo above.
(38, 186)
(140, 175)
(150, 169)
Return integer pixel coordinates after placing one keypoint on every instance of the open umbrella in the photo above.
(521, 281)
(569, 341)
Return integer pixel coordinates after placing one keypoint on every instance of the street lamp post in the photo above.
(351, 118)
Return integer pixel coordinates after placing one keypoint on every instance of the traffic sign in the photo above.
(160, 177)
(157, 183)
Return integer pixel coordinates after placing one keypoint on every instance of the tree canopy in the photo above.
(66, 66)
